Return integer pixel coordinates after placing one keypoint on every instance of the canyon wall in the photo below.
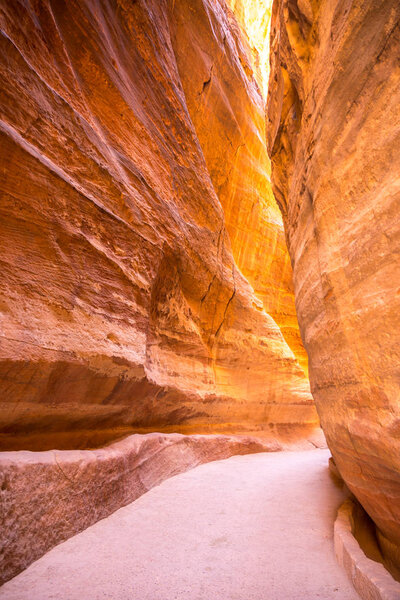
(223, 92)
(254, 17)
(134, 193)
(334, 137)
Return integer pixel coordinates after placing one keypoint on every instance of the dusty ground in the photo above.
(255, 527)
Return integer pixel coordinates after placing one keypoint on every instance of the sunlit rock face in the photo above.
(334, 136)
(122, 306)
(254, 17)
(226, 106)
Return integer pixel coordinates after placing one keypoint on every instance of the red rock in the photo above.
(123, 307)
(226, 106)
(46, 497)
(334, 134)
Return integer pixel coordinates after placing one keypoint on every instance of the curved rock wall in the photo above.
(334, 135)
(226, 105)
(122, 306)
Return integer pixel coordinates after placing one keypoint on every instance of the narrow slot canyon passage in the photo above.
(249, 527)
(200, 294)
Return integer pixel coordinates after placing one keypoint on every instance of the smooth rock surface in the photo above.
(334, 136)
(247, 528)
(122, 307)
(369, 577)
(226, 106)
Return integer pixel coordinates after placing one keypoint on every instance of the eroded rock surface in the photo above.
(122, 306)
(334, 135)
(224, 97)
(47, 497)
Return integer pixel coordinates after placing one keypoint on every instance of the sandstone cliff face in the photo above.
(334, 136)
(122, 306)
(223, 96)
(254, 18)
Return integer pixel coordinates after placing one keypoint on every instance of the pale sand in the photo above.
(255, 527)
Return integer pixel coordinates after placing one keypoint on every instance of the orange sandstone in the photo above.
(127, 229)
(224, 98)
(334, 136)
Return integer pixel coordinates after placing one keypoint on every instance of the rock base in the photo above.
(369, 577)
(47, 497)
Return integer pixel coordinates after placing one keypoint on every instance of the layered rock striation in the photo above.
(223, 92)
(333, 135)
(124, 204)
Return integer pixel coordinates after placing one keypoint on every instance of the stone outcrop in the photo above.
(334, 135)
(135, 193)
(46, 497)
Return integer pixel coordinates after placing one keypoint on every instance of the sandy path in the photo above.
(255, 527)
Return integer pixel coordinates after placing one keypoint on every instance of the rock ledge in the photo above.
(47, 497)
(370, 578)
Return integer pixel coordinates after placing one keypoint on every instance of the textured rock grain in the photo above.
(227, 109)
(334, 135)
(46, 497)
(122, 306)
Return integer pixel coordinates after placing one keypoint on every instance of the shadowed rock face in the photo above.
(122, 305)
(334, 135)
